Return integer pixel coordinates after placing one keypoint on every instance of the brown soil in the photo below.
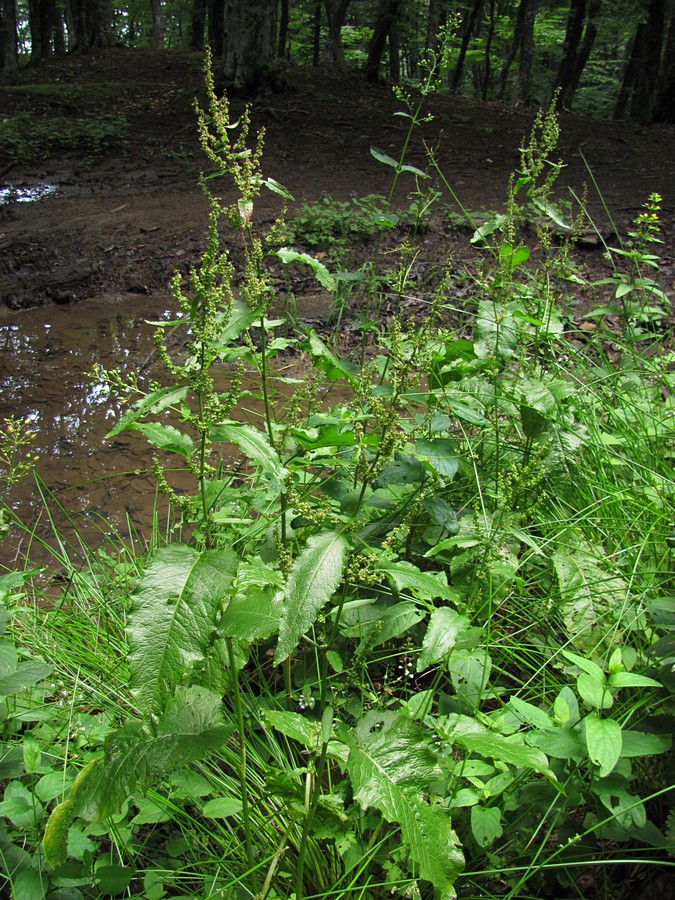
(126, 221)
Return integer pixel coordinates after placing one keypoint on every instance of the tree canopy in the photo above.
(602, 57)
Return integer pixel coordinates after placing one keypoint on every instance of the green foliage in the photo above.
(329, 224)
(30, 138)
(419, 636)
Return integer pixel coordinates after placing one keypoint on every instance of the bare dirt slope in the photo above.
(126, 220)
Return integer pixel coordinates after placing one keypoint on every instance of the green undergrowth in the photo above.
(87, 136)
(417, 641)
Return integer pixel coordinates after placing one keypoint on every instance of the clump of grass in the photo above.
(25, 137)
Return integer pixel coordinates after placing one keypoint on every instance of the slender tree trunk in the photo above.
(487, 69)
(316, 34)
(249, 46)
(470, 27)
(216, 26)
(284, 14)
(157, 24)
(664, 104)
(8, 53)
(386, 16)
(197, 24)
(646, 84)
(579, 40)
(336, 13)
(435, 18)
(394, 54)
(516, 43)
(524, 80)
(631, 73)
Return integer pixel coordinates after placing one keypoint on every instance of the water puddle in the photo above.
(45, 357)
(27, 193)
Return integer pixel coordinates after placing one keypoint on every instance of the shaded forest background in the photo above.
(604, 58)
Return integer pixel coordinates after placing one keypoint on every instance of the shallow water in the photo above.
(45, 357)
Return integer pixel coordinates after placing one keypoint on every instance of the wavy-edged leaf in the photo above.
(394, 164)
(165, 437)
(508, 750)
(253, 444)
(191, 727)
(440, 454)
(390, 765)
(173, 617)
(424, 585)
(321, 273)
(445, 625)
(313, 580)
(154, 403)
(591, 600)
(324, 358)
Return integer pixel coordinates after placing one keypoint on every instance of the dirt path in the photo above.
(126, 221)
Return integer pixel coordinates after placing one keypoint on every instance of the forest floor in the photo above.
(125, 219)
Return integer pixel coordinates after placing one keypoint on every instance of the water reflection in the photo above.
(45, 357)
(27, 194)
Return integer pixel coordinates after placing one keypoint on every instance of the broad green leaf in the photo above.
(151, 812)
(327, 361)
(509, 750)
(241, 317)
(440, 454)
(222, 807)
(253, 444)
(252, 615)
(314, 578)
(470, 671)
(9, 657)
(403, 469)
(135, 755)
(173, 618)
(642, 743)
(294, 725)
(391, 766)
(30, 885)
(586, 665)
(154, 403)
(165, 437)
(631, 679)
(551, 211)
(628, 809)
(28, 673)
(593, 692)
(429, 586)
(591, 600)
(560, 743)
(20, 806)
(394, 164)
(486, 824)
(530, 713)
(603, 741)
(321, 273)
(114, 879)
(445, 625)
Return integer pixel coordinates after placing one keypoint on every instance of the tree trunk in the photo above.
(316, 34)
(470, 26)
(631, 73)
(520, 26)
(526, 55)
(216, 26)
(8, 54)
(394, 55)
(197, 24)
(249, 46)
(336, 13)
(386, 16)
(576, 49)
(92, 24)
(435, 18)
(157, 24)
(283, 29)
(664, 105)
(646, 84)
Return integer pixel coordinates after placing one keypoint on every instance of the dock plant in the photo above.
(415, 641)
